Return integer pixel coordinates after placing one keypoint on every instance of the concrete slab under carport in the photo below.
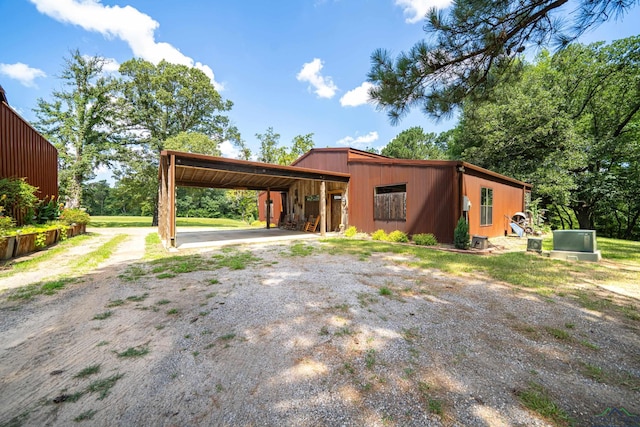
(203, 237)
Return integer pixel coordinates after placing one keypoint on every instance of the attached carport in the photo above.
(197, 170)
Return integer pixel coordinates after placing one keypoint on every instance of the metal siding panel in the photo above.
(430, 195)
(24, 153)
(506, 201)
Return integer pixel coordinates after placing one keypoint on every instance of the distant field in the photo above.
(145, 221)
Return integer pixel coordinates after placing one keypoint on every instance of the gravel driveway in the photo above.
(290, 334)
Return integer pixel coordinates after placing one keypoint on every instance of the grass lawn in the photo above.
(145, 221)
(539, 274)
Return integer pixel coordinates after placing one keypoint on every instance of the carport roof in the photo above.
(198, 170)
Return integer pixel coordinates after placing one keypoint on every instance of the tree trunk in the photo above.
(584, 216)
(74, 197)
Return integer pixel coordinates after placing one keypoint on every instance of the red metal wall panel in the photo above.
(24, 153)
(334, 160)
(276, 197)
(431, 194)
(507, 200)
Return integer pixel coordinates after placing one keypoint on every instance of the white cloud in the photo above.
(125, 23)
(324, 86)
(357, 96)
(110, 65)
(415, 10)
(360, 141)
(229, 150)
(22, 72)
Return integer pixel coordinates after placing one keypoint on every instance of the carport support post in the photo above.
(268, 209)
(172, 202)
(323, 208)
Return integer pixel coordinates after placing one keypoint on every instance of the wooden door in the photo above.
(336, 212)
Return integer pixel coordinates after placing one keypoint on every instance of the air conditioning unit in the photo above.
(574, 240)
(534, 244)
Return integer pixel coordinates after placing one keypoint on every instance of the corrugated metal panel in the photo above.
(431, 193)
(507, 200)
(24, 153)
(334, 160)
(276, 206)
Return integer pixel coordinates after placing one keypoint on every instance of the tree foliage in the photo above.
(272, 152)
(80, 122)
(165, 101)
(471, 45)
(193, 142)
(414, 143)
(571, 127)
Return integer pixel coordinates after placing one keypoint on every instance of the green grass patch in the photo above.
(558, 334)
(153, 248)
(435, 406)
(102, 316)
(145, 221)
(173, 311)
(89, 370)
(138, 298)
(537, 399)
(384, 291)
(134, 352)
(115, 303)
(163, 302)
(173, 265)
(543, 276)
(235, 260)
(227, 337)
(86, 415)
(94, 258)
(300, 249)
(42, 288)
(103, 387)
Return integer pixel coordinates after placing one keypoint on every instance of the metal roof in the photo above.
(198, 170)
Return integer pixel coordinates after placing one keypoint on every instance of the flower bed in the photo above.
(25, 240)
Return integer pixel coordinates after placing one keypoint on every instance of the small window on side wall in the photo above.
(390, 203)
(486, 206)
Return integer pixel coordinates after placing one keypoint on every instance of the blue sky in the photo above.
(297, 66)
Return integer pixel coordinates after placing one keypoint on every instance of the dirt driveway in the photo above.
(291, 334)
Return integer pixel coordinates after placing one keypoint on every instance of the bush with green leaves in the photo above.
(351, 231)
(6, 223)
(379, 235)
(17, 194)
(461, 238)
(424, 239)
(74, 216)
(398, 236)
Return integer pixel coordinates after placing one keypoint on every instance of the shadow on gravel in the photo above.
(299, 334)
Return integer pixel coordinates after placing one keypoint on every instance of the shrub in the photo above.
(47, 211)
(424, 239)
(351, 231)
(74, 216)
(6, 222)
(461, 238)
(17, 194)
(398, 236)
(379, 235)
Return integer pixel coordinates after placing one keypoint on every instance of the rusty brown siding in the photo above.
(276, 197)
(24, 153)
(325, 159)
(431, 197)
(507, 199)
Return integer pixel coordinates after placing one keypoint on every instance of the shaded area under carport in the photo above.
(203, 237)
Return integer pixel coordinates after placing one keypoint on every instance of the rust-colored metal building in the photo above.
(24, 153)
(414, 196)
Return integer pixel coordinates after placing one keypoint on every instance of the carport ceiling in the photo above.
(196, 170)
